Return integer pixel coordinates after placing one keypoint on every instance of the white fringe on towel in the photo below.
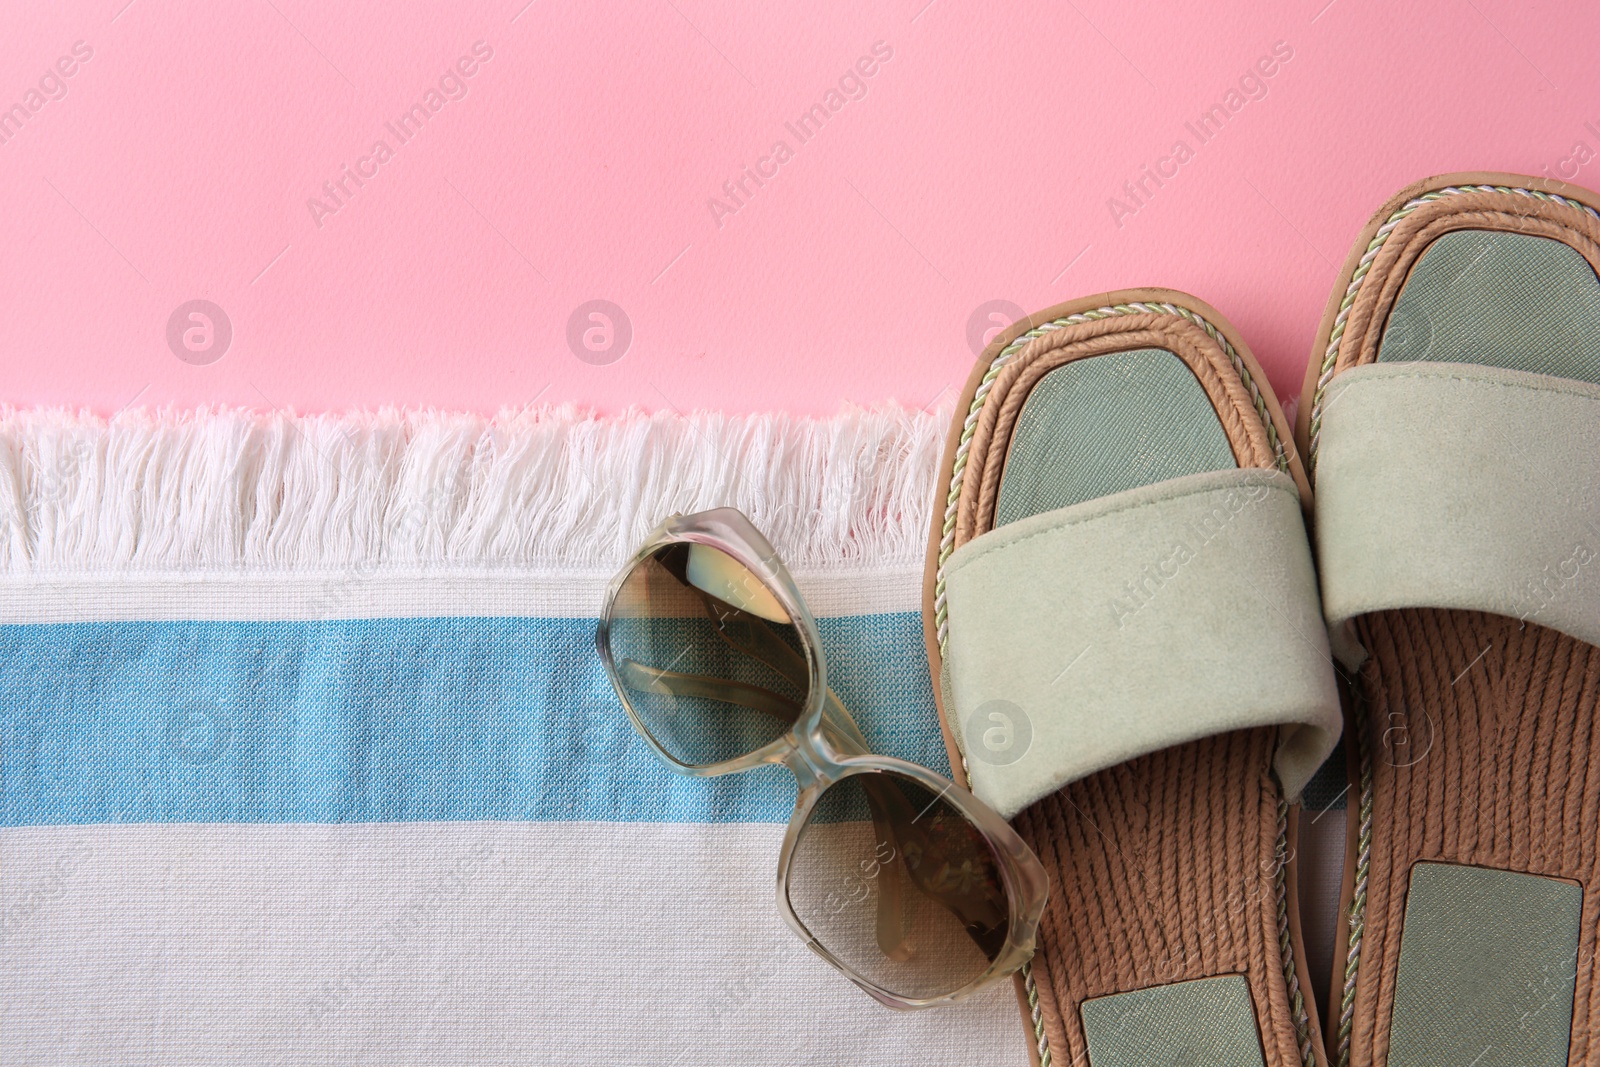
(540, 488)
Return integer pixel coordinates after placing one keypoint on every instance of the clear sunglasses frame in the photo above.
(825, 746)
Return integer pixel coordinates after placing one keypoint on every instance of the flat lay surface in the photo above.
(349, 350)
(960, 164)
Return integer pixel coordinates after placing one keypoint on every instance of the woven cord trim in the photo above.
(1291, 979)
(1358, 896)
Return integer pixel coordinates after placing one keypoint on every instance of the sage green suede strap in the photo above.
(1450, 486)
(1083, 637)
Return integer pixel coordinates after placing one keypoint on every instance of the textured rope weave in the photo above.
(1325, 371)
(947, 546)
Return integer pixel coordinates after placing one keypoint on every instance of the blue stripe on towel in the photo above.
(384, 720)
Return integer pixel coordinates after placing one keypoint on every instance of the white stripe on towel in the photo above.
(435, 943)
(395, 592)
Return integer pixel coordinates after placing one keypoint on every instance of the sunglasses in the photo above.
(915, 889)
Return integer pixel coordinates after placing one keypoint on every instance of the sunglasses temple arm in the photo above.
(889, 812)
(643, 679)
(892, 882)
(844, 732)
(765, 645)
(772, 650)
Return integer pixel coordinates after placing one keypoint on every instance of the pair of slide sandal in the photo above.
(1139, 662)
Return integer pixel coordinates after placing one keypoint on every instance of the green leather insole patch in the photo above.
(1208, 1022)
(1102, 424)
(1499, 300)
(1487, 966)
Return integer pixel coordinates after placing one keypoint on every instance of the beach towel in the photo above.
(306, 756)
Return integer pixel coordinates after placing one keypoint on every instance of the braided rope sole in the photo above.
(1364, 265)
(941, 613)
(1358, 900)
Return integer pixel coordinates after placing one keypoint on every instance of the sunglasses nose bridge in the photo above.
(809, 767)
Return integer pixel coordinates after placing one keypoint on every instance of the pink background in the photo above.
(580, 162)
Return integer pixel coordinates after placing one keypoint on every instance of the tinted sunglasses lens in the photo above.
(899, 886)
(706, 655)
